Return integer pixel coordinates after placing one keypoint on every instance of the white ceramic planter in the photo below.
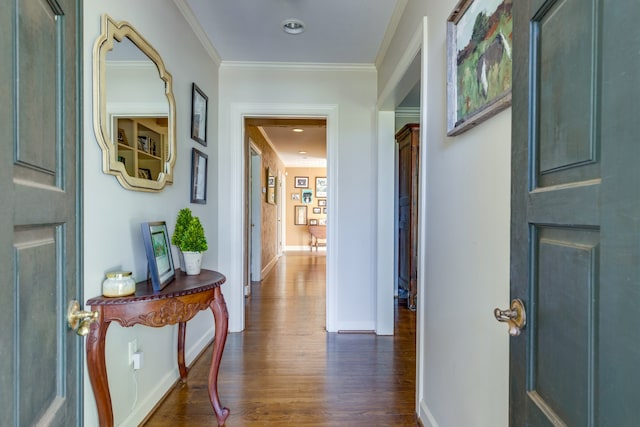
(192, 262)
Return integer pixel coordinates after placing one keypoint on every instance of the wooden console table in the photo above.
(177, 303)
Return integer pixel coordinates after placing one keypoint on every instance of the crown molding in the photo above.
(191, 19)
(305, 66)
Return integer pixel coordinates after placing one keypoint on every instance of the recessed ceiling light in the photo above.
(293, 26)
(302, 152)
(297, 130)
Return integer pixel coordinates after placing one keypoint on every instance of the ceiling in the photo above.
(336, 32)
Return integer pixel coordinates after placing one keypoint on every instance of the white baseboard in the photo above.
(425, 416)
(267, 268)
(305, 248)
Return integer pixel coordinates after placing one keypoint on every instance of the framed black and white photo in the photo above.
(301, 182)
(317, 210)
(198, 176)
(157, 246)
(322, 202)
(199, 103)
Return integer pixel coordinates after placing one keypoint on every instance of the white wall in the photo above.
(349, 96)
(112, 215)
(464, 243)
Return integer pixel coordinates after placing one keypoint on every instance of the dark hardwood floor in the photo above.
(285, 370)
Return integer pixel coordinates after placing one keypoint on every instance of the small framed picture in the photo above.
(122, 137)
(301, 182)
(316, 210)
(322, 221)
(300, 215)
(322, 202)
(198, 176)
(295, 196)
(313, 222)
(143, 143)
(307, 196)
(321, 186)
(199, 103)
(157, 246)
(324, 211)
(144, 173)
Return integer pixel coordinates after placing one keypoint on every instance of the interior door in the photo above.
(407, 139)
(576, 213)
(40, 376)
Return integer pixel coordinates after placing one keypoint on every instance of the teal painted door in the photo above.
(40, 376)
(576, 213)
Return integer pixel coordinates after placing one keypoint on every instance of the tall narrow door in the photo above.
(40, 375)
(408, 139)
(576, 213)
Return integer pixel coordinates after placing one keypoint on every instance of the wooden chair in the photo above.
(318, 236)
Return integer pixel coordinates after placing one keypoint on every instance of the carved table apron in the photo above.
(177, 303)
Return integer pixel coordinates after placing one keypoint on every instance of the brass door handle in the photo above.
(515, 317)
(79, 320)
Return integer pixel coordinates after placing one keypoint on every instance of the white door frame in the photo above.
(232, 200)
(255, 220)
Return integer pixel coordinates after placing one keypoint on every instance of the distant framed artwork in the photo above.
(313, 222)
(295, 196)
(198, 176)
(479, 41)
(199, 104)
(301, 182)
(322, 202)
(317, 210)
(321, 186)
(307, 196)
(157, 246)
(300, 215)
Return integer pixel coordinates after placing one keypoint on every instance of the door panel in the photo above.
(576, 213)
(39, 356)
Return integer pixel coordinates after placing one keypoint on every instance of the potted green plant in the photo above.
(190, 238)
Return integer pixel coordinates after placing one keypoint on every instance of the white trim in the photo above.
(305, 248)
(267, 268)
(232, 196)
(307, 66)
(193, 22)
(391, 31)
(422, 222)
(425, 416)
(407, 58)
(385, 227)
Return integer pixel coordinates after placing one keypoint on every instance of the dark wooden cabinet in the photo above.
(408, 140)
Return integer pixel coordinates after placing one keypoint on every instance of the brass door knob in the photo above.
(515, 317)
(79, 320)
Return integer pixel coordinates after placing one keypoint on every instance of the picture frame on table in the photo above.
(478, 62)
(157, 246)
(199, 166)
(199, 107)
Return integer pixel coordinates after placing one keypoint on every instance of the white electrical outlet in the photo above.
(133, 347)
(138, 358)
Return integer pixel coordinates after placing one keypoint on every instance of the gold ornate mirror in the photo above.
(134, 109)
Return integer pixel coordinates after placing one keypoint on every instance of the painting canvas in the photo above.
(479, 61)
